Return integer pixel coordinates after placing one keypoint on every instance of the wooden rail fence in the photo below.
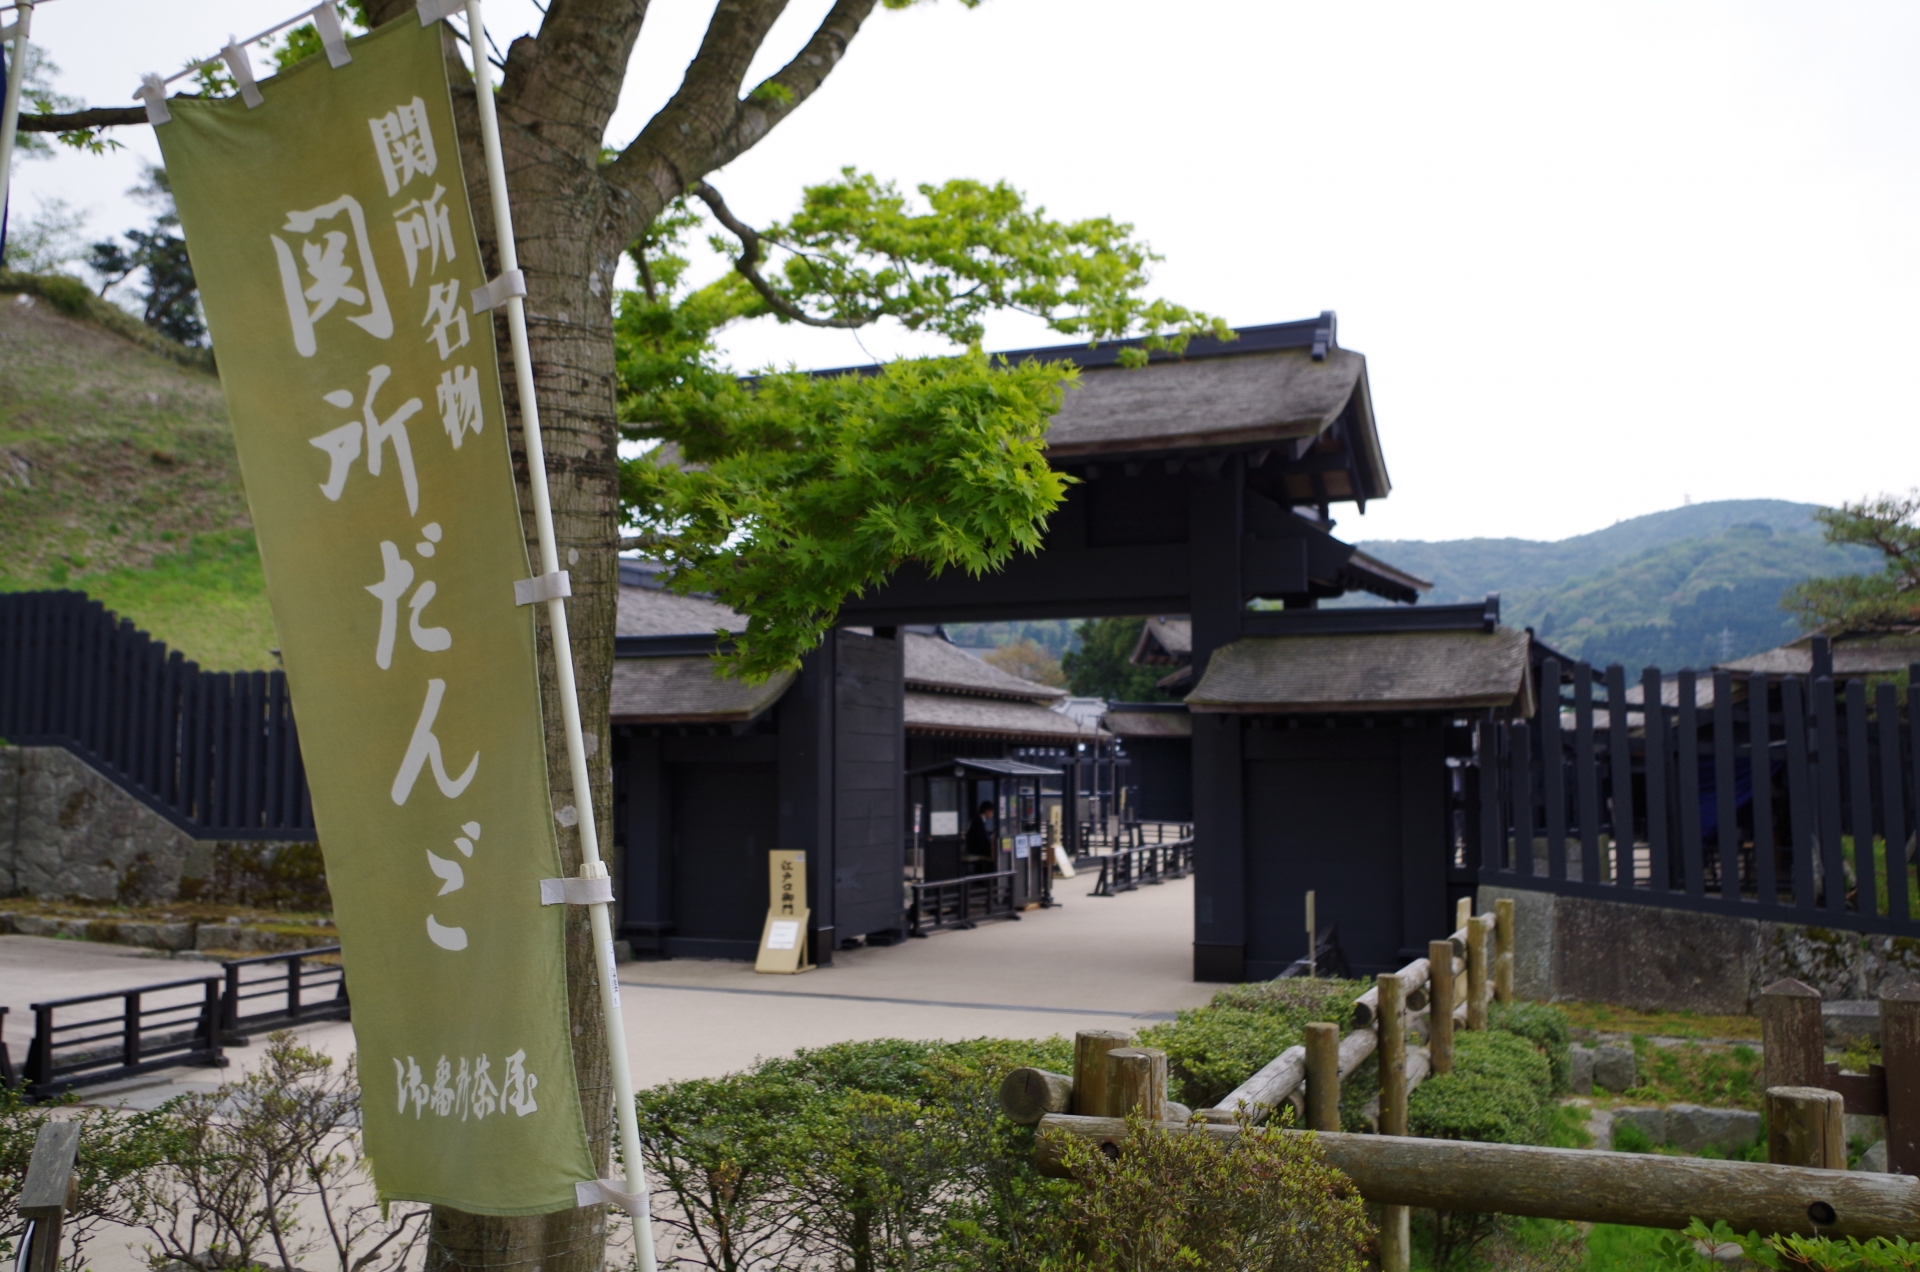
(1803, 1188)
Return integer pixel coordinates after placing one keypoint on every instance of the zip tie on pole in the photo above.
(576, 891)
(431, 11)
(499, 291)
(546, 587)
(596, 1192)
(326, 20)
(242, 67)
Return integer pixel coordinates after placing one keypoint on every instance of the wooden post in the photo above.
(1137, 1083)
(1027, 1095)
(1439, 1006)
(1792, 1042)
(1395, 1250)
(1805, 1127)
(1503, 949)
(1479, 938)
(1900, 1059)
(1090, 1047)
(49, 1192)
(1462, 911)
(1323, 1076)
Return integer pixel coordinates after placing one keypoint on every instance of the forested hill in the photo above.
(1685, 587)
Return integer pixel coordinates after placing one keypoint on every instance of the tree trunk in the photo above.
(559, 231)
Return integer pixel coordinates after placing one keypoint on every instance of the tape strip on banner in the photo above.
(596, 1192)
(499, 291)
(326, 20)
(431, 11)
(544, 587)
(153, 94)
(242, 67)
(576, 891)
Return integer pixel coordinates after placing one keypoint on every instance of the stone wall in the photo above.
(1680, 960)
(67, 832)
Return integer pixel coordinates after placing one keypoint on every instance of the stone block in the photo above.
(1614, 1069)
(1651, 1122)
(1651, 958)
(1534, 933)
(156, 936)
(1582, 1069)
(1844, 1022)
(1864, 1127)
(1874, 1159)
(1691, 1127)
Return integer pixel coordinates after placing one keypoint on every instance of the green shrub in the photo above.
(1191, 1203)
(1498, 1092)
(1545, 1026)
(1213, 1049)
(1629, 1137)
(68, 295)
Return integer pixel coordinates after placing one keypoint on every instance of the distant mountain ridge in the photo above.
(1689, 586)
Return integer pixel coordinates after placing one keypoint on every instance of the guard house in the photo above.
(1207, 482)
(711, 774)
(945, 798)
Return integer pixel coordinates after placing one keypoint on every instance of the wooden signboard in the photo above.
(783, 938)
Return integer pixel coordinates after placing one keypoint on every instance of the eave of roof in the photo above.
(687, 691)
(939, 666)
(948, 714)
(1385, 671)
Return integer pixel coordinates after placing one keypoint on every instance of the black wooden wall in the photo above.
(869, 757)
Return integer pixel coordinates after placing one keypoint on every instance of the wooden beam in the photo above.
(1642, 1189)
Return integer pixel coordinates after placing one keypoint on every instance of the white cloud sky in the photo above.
(1601, 257)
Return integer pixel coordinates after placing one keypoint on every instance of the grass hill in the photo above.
(1685, 587)
(118, 475)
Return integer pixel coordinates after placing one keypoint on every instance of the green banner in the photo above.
(335, 252)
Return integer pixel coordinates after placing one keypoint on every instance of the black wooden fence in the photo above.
(1780, 797)
(213, 752)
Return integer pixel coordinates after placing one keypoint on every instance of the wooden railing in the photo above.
(961, 902)
(297, 990)
(1128, 868)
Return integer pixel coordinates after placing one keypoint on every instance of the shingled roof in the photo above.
(687, 691)
(1371, 671)
(939, 665)
(1026, 721)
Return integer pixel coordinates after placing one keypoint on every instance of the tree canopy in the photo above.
(1100, 667)
(1889, 524)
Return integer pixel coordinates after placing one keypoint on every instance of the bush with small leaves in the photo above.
(1546, 1027)
(1193, 1202)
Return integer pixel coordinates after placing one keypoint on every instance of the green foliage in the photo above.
(783, 495)
(119, 1154)
(803, 490)
(1099, 667)
(1190, 1203)
(1629, 1137)
(69, 295)
(303, 42)
(171, 299)
(1051, 634)
(1543, 1025)
(856, 253)
(1213, 1049)
(1720, 1077)
(1888, 525)
(1498, 1092)
(874, 1155)
(1790, 1251)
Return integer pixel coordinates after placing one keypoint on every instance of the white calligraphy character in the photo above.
(342, 444)
(485, 1094)
(388, 591)
(333, 281)
(425, 230)
(404, 143)
(460, 409)
(520, 1085)
(446, 317)
(425, 748)
(412, 1084)
(442, 1088)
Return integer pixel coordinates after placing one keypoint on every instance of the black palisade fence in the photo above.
(213, 752)
(1781, 797)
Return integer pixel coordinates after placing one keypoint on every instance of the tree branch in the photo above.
(707, 124)
(747, 265)
(81, 120)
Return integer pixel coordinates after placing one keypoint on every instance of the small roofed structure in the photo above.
(1884, 652)
(953, 695)
(1369, 672)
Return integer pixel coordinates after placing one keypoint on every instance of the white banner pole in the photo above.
(16, 79)
(592, 867)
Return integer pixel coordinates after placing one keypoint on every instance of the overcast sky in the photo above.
(1601, 258)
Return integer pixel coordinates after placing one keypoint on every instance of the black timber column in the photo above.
(1425, 836)
(640, 816)
(807, 786)
(1214, 527)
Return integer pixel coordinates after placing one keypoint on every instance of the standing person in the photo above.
(980, 839)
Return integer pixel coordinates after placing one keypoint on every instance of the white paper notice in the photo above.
(784, 935)
(945, 824)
